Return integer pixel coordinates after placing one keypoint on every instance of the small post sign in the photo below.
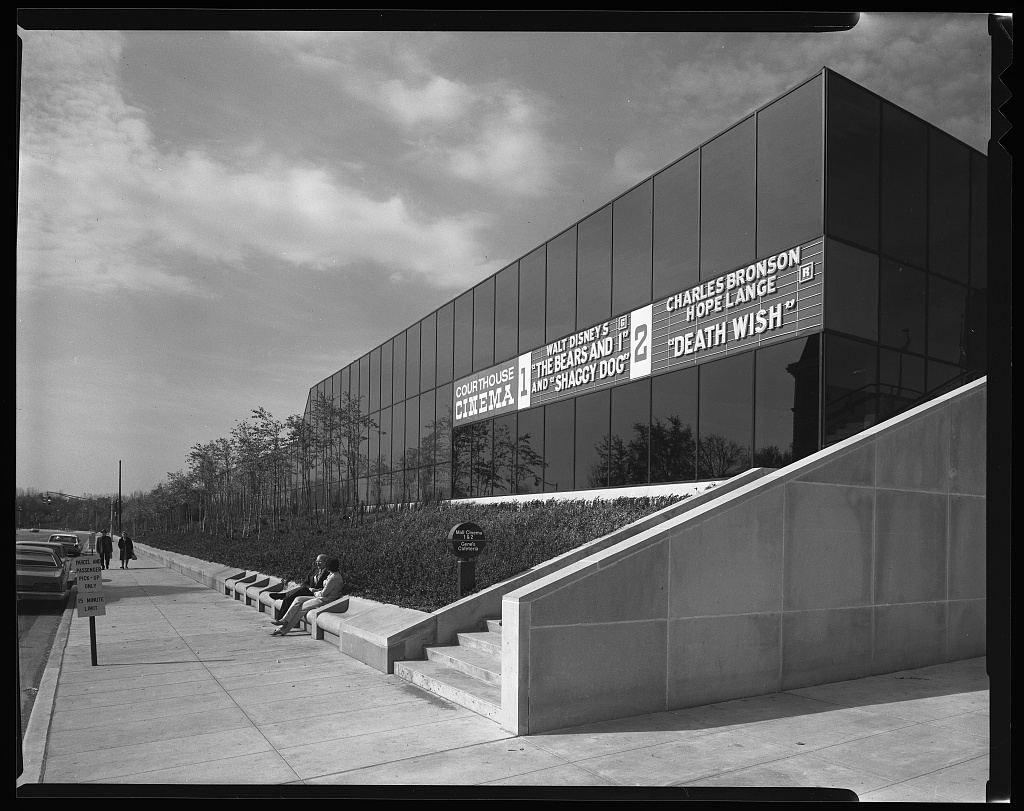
(89, 580)
(89, 588)
(467, 542)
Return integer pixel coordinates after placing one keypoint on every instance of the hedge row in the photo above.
(403, 557)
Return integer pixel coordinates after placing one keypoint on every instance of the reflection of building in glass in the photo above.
(814, 269)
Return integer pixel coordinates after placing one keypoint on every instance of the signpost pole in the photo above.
(467, 576)
(92, 639)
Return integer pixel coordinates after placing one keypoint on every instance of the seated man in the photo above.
(331, 591)
(314, 581)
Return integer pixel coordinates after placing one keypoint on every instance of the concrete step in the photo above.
(454, 685)
(494, 625)
(486, 641)
(479, 664)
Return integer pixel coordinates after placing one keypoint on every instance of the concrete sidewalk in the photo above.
(191, 690)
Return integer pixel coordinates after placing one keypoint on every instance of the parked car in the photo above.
(34, 529)
(54, 546)
(40, 573)
(72, 546)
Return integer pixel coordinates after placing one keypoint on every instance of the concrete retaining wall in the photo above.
(867, 557)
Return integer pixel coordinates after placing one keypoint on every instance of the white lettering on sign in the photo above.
(746, 305)
(91, 605)
(641, 341)
(739, 286)
(490, 391)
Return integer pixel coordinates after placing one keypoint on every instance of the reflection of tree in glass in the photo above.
(672, 451)
(671, 455)
(339, 431)
(771, 456)
(472, 471)
(718, 457)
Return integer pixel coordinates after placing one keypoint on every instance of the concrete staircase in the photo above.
(468, 674)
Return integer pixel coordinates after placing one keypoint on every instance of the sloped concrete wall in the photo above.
(868, 557)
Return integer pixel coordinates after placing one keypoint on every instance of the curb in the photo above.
(33, 745)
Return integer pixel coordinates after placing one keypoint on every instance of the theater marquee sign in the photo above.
(774, 298)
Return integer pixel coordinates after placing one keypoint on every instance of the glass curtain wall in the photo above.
(905, 291)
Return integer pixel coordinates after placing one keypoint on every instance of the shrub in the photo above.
(403, 556)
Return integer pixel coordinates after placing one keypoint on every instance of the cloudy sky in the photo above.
(214, 221)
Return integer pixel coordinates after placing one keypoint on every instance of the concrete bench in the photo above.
(238, 590)
(229, 582)
(313, 618)
(252, 592)
(265, 601)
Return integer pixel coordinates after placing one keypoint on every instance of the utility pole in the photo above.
(118, 496)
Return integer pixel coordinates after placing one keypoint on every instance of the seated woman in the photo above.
(331, 590)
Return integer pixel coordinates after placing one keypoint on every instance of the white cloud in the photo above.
(102, 205)
(486, 134)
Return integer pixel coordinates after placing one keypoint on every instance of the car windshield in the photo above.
(37, 558)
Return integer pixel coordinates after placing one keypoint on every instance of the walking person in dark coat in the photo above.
(105, 546)
(127, 550)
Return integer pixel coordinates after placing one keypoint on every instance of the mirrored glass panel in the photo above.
(786, 402)
(445, 343)
(904, 207)
(387, 372)
(594, 269)
(398, 384)
(674, 426)
(386, 434)
(949, 209)
(506, 313)
(529, 473)
(463, 334)
(947, 316)
(414, 456)
(789, 169)
(854, 134)
(592, 437)
(364, 384)
(677, 226)
(632, 229)
(442, 425)
(504, 449)
(559, 434)
(561, 288)
(531, 300)
(901, 382)
(428, 350)
(726, 416)
(462, 460)
(728, 198)
(851, 290)
(373, 390)
(412, 360)
(397, 437)
(851, 387)
(629, 444)
(979, 221)
(483, 325)
(902, 303)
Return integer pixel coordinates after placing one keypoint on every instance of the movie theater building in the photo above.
(814, 269)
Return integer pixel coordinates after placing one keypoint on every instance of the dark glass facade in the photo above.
(894, 211)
